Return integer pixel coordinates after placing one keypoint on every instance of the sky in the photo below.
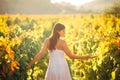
(73, 2)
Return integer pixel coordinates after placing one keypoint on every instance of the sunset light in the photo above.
(73, 2)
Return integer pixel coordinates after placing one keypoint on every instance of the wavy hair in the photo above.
(55, 35)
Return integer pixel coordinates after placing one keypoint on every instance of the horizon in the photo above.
(73, 2)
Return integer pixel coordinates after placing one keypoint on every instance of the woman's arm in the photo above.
(40, 54)
(73, 56)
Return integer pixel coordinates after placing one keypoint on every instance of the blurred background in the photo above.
(92, 27)
(58, 6)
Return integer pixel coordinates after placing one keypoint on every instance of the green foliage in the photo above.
(85, 34)
(114, 9)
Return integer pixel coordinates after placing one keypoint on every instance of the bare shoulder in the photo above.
(64, 45)
(47, 40)
(62, 41)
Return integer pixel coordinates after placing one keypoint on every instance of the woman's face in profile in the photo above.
(62, 33)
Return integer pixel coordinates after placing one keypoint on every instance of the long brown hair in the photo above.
(55, 35)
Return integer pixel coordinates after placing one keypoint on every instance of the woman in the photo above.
(58, 67)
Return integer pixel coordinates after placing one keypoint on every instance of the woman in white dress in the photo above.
(58, 68)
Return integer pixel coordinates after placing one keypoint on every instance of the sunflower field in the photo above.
(22, 37)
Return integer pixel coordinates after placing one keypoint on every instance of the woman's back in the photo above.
(59, 44)
(58, 67)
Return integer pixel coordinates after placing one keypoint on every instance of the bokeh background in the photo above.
(92, 27)
(57, 6)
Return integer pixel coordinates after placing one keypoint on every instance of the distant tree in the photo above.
(115, 9)
(7, 5)
(3, 6)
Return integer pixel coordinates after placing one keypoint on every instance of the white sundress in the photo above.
(58, 68)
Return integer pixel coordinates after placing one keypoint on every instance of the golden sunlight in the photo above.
(73, 2)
